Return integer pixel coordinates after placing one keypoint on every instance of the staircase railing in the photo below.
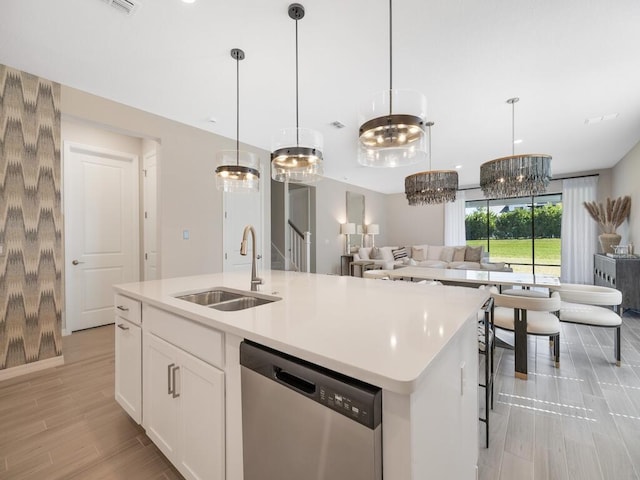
(299, 248)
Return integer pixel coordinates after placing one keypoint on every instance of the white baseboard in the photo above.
(31, 367)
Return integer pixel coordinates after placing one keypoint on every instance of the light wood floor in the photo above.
(63, 423)
(581, 421)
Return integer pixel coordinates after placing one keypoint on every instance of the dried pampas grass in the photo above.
(609, 218)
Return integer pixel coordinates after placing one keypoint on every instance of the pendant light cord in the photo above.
(513, 128)
(297, 115)
(390, 57)
(429, 125)
(238, 111)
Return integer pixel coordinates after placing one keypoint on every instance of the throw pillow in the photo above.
(374, 253)
(447, 254)
(409, 261)
(458, 254)
(473, 254)
(400, 253)
(363, 253)
(417, 254)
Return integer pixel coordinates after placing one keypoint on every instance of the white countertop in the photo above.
(382, 332)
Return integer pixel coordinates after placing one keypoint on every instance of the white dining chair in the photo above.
(594, 306)
(539, 315)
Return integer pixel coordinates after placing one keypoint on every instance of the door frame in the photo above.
(68, 148)
(263, 240)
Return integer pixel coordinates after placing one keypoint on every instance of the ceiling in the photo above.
(567, 60)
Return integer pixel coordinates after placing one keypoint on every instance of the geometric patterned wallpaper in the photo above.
(30, 219)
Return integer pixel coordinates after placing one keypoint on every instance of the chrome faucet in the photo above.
(255, 281)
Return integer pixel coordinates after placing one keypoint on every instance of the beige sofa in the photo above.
(432, 256)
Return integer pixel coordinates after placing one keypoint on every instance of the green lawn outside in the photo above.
(519, 251)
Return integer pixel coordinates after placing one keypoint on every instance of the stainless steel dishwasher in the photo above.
(304, 422)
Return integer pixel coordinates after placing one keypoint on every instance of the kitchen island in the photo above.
(417, 343)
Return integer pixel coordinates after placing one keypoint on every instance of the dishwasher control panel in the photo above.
(345, 405)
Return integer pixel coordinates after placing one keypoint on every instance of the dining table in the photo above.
(496, 278)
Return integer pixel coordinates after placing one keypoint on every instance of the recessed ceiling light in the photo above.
(458, 167)
(517, 142)
(212, 120)
(188, 1)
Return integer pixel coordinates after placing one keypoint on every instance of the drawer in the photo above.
(200, 341)
(128, 308)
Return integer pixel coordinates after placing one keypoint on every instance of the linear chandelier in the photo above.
(432, 186)
(388, 138)
(237, 171)
(523, 175)
(297, 152)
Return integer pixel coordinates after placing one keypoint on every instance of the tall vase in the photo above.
(608, 241)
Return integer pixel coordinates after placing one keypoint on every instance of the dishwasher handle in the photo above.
(294, 381)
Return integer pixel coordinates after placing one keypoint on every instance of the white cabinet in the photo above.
(184, 409)
(128, 386)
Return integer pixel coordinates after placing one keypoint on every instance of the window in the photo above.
(523, 232)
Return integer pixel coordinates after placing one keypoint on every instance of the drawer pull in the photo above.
(122, 308)
(122, 327)
(173, 378)
(170, 389)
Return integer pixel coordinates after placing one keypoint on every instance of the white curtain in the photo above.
(579, 231)
(454, 230)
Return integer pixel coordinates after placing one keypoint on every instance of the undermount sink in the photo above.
(210, 297)
(227, 299)
(241, 303)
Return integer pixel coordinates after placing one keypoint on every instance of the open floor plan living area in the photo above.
(278, 241)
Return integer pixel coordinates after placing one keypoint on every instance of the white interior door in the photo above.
(150, 216)
(241, 209)
(101, 231)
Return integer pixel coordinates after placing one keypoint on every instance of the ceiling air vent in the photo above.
(125, 6)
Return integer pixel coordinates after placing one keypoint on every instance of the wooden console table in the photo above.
(620, 273)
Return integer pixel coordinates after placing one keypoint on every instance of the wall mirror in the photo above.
(355, 214)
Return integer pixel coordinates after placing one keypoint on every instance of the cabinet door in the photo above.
(160, 418)
(128, 387)
(201, 420)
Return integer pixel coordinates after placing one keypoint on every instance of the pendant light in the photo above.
(237, 171)
(387, 138)
(297, 152)
(432, 186)
(517, 175)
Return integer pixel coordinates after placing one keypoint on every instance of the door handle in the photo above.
(122, 327)
(258, 257)
(76, 262)
(173, 377)
(169, 390)
(123, 308)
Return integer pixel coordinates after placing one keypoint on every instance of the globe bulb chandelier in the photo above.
(388, 138)
(237, 171)
(296, 154)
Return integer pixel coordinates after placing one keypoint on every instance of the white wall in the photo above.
(186, 184)
(625, 180)
(413, 225)
(331, 211)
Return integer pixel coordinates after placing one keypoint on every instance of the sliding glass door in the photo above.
(522, 232)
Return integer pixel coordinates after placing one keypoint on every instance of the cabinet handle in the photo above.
(173, 375)
(170, 389)
(122, 308)
(122, 327)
